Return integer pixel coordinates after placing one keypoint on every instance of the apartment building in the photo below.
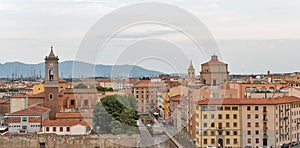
(150, 94)
(247, 122)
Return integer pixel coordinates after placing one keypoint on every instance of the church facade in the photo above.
(56, 96)
(214, 72)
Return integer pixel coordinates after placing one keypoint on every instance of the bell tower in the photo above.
(51, 84)
(191, 73)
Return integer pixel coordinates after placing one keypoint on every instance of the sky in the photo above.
(253, 36)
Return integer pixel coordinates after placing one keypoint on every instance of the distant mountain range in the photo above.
(76, 69)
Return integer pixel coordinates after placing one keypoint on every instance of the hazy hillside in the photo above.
(76, 69)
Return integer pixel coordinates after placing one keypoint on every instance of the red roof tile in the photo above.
(31, 110)
(252, 101)
(64, 123)
(3, 101)
(73, 115)
(147, 83)
(175, 98)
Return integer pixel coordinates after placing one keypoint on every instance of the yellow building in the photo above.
(218, 125)
(38, 88)
(247, 122)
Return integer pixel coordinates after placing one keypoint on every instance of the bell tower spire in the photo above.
(191, 72)
(52, 84)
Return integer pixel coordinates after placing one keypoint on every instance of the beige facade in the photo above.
(256, 122)
(214, 72)
(218, 126)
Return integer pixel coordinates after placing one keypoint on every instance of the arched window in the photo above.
(51, 96)
(51, 74)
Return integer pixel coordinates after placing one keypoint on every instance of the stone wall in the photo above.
(52, 141)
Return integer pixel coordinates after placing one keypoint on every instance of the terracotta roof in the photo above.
(31, 110)
(64, 123)
(19, 96)
(73, 115)
(252, 101)
(175, 98)
(214, 63)
(39, 95)
(3, 101)
(148, 83)
(60, 80)
(80, 91)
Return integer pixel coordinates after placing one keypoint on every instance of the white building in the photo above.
(66, 127)
(27, 120)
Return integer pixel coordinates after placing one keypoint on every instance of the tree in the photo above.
(80, 86)
(104, 89)
(116, 115)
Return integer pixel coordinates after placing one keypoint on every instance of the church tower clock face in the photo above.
(51, 64)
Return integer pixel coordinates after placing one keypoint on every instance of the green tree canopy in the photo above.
(80, 86)
(116, 115)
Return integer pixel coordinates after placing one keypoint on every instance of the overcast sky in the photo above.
(254, 36)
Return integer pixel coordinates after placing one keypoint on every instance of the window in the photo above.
(205, 133)
(47, 129)
(235, 141)
(68, 129)
(204, 141)
(204, 108)
(219, 108)
(227, 108)
(235, 133)
(227, 133)
(220, 132)
(204, 124)
(249, 124)
(257, 140)
(24, 119)
(212, 141)
(249, 132)
(72, 102)
(227, 124)
(24, 127)
(249, 116)
(204, 116)
(61, 129)
(212, 133)
(213, 108)
(227, 116)
(234, 116)
(257, 132)
(249, 141)
(256, 108)
(256, 116)
(235, 124)
(248, 108)
(220, 116)
(235, 108)
(54, 129)
(212, 116)
(51, 96)
(86, 102)
(227, 141)
(212, 124)
(256, 124)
